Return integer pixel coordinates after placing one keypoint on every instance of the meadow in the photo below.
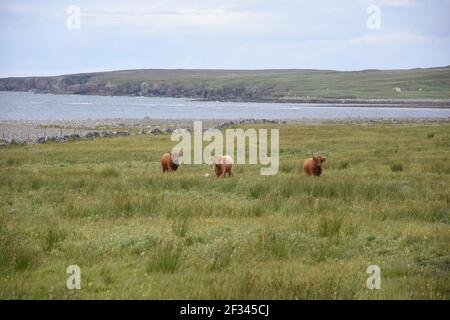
(136, 233)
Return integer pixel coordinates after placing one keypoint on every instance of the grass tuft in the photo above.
(51, 237)
(396, 167)
(166, 261)
(329, 226)
(109, 173)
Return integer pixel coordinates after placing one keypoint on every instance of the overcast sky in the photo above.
(231, 34)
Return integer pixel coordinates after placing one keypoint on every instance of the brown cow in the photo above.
(313, 166)
(170, 161)
(223, 165)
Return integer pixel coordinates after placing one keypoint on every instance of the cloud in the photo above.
(391, 38)
(391, 3)
(171, 17)
(166, 20)
(150, 15)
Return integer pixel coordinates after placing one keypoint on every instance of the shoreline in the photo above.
(349, 102)
(147, 121)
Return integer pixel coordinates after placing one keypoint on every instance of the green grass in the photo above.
(166, 261)
(105, 205)
(396, 167)
(415, 83)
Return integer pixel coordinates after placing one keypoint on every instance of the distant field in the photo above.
(104, 205)
(432, 83)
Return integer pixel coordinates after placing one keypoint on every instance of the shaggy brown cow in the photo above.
(170, 161)
(222, 166)
(313, 166)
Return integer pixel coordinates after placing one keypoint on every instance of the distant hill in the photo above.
(247, 85)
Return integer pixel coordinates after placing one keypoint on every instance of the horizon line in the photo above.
(221, 69)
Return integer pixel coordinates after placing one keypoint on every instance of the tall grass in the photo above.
(166, 260)
(106, 206)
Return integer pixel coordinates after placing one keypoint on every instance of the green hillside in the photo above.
(432, 83)
(415, 83)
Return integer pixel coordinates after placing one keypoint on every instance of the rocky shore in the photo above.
(22, 132)
(348, 102)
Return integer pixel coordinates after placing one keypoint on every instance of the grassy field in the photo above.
(369, 84)
(105, 206)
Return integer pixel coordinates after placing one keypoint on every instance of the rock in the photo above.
(4, 142)
(180, 130)
(39, 140)
(122, 133)
(167, 130)
(156, 131)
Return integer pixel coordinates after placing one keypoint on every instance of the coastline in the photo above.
(316, 101)
(348, 102)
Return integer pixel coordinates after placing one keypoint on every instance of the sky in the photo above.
(51, 38)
